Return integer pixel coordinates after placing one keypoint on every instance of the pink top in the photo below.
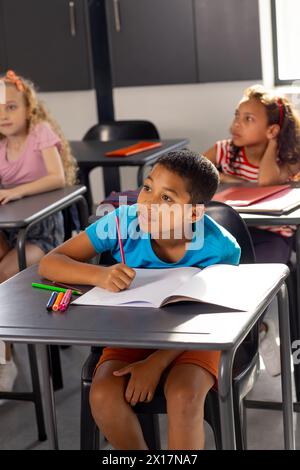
(30, 165)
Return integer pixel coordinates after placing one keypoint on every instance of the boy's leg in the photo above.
(186, 388)
(113, 415)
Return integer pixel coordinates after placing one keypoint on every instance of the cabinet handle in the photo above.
(117, 15)
(72, 18)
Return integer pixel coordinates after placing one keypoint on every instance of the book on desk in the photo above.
(139, 147)
(235, 287)
(271, 200)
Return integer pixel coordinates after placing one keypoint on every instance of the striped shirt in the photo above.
(243, 169)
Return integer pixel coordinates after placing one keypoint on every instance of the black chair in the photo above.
(246, 364)
(108, 131)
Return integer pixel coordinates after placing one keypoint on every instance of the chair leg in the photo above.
(89, 433)
(212, 416)
(37, 392)
(150, 427)
(240, 423)
(294, 324)
(56, 367)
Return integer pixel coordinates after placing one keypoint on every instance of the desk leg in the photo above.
(83, 211)
(49, 404)
(226, 400)
(297, 336)
(286, 378)
(141, 173)
(140, 176)
(111, 177)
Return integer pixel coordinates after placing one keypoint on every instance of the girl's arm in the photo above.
(68, 263)
(55, 179)
(269, 171)
(211, 154)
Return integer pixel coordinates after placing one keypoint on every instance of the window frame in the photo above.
(277, 80)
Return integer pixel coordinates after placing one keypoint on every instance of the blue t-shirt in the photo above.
(211, 243)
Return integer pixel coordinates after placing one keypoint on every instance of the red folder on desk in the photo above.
(243, 197)
(141, 146)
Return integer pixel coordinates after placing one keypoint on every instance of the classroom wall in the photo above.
(200, 112)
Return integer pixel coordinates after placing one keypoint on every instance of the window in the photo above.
(286, 40)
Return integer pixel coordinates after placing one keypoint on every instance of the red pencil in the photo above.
(120, 240)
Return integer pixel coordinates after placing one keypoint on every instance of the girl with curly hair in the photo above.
(34, 158)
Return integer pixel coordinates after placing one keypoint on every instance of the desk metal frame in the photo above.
(293, 218)
(58, 200)
(41, 329)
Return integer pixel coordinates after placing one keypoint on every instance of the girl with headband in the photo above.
(264, 149)
(34, 158)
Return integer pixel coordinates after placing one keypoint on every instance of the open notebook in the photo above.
(237, 287)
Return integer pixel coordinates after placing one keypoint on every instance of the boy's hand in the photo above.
(144, 378)
(117, 277)
(7, 195)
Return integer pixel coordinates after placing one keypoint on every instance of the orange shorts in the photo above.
(208, 360)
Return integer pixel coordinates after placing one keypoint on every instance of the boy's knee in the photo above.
(104, 397)
(185, 400)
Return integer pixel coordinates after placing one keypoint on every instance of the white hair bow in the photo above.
(2, 92)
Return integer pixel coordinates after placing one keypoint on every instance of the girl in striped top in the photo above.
(265, 150)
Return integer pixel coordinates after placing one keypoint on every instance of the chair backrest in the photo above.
(232, 221)
(122, 130)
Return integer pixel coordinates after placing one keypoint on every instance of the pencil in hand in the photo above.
(120, 240)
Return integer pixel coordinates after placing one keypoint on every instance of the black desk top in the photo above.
(92, 152)
(192, 325)
(20, 213)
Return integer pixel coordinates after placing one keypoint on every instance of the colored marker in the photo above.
(51, 301)
(54, 288)
(120, 240)
(57, 301)
(60, 284)
(65, 301)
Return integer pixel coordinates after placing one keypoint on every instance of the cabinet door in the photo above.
(151, 41)
(2, 46)
(48, 42)
(229, 31)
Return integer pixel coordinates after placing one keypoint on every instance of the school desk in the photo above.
(26, 212)
(91, 154)
(293, 218)
(23, 214)
(192, 326)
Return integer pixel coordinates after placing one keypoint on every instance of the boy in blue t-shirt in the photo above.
(166, 228)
